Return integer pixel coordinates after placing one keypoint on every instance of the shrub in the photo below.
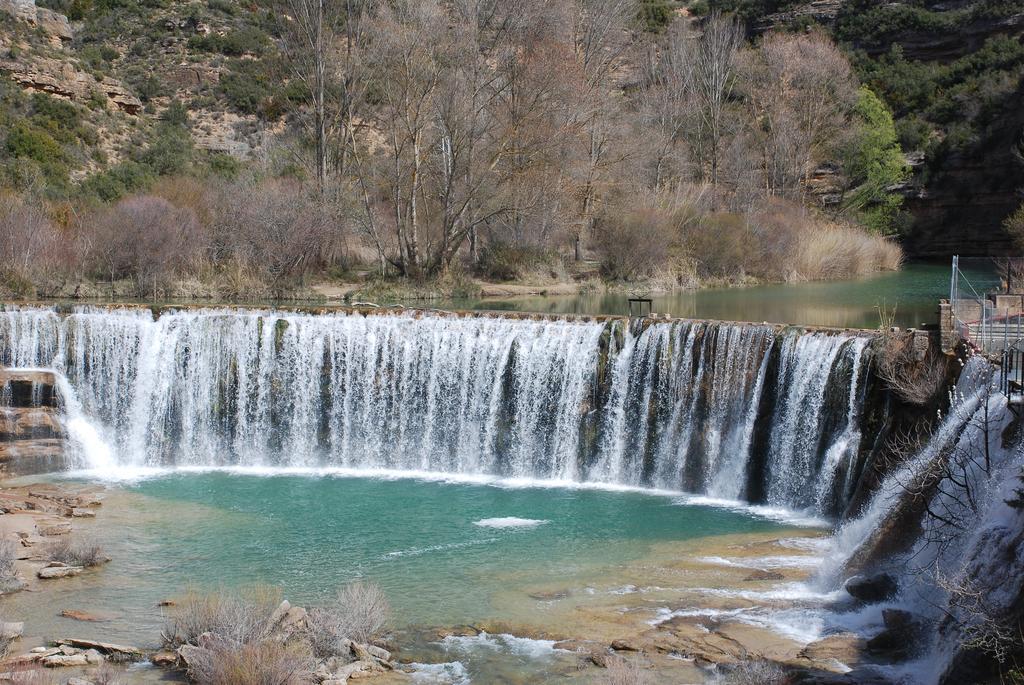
(503, 261)
(238, 617)
(359, 613)
(625, 672)
(275, 229)
(262, 663)
(146, 239)
(246, 40)
(722, 246)
(33, 247)
(755, 672)
(75, 552)
(170, 152)
(8, 572)
(27, 141)
(634, 245)
(116, 182)
(655, 15)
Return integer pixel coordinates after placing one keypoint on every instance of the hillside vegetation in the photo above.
(232, 149)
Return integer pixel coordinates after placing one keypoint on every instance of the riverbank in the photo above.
(905, 298)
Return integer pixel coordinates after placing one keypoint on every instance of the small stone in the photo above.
(82, 615)
(83, 513)
(164, 657)
(51, 572)
(599, 659)
(94, 657)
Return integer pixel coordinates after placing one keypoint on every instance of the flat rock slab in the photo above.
(104, 647)
(52, 572)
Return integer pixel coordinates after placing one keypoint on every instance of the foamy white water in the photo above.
(509, 522)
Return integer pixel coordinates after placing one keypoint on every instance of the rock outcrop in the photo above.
(62, 79)
(54, 25)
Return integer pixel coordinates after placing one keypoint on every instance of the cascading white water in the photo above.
(960, 568)
(670, 405)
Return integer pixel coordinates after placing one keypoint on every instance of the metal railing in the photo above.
(989, 322)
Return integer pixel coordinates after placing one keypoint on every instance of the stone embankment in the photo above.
(32, 436)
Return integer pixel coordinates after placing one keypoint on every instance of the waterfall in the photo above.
(958, 560)
(731, 410)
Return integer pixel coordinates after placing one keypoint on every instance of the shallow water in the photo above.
(445, 553)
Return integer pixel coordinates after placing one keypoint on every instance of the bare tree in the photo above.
(601, 37)
(713, 57)
(801, 88)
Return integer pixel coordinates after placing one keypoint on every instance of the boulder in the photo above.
(279, 613)
(901, 633)
(379, 652)
(293, 620)
(190, 655)
(165, 658)
(624, 646)
(876, 588)
(51, 572)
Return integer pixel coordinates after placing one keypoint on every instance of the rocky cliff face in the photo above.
(961, 194)
(970, 192)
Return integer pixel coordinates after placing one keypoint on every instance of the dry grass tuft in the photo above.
(915, 382)
(74, 552)
(240, 617)
(756, 672)
(267, 662)
(622, 671)
(359, 613)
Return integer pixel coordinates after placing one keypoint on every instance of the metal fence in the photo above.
(989, 321)
(993, 324)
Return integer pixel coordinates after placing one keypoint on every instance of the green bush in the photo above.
(170, 152)
(223, 165)
(116, 182)
(874, 163)
(29, 142)
(655, 15)
(242, 41)
(225, 6)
